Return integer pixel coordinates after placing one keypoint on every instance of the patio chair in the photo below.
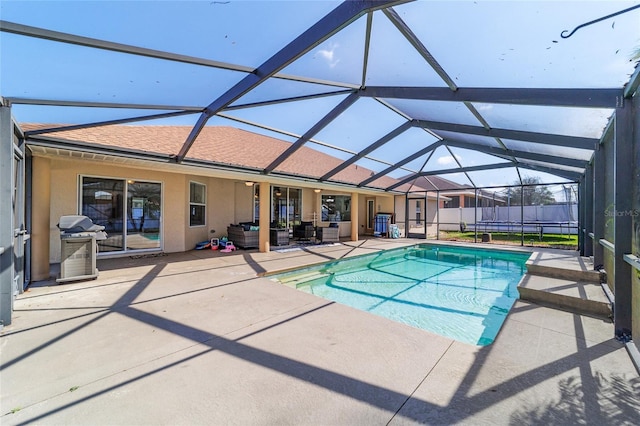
(328, 234)
(304, 231)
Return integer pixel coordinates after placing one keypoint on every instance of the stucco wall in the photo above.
(228, 201)
(64, 189)
(40, 219)
(345, 227)
(56, 193)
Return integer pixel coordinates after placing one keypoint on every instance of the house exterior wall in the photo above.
(223, 196)
(243, 201)
(64, 190)
(40, 219)
(56, 193)
(400, 211)
(358, 209)
(384, 204)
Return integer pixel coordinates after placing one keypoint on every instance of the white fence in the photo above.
(549, 219)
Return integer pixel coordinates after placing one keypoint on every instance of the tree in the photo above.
(533, 195)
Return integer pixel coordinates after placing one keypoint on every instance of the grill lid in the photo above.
(78, 223)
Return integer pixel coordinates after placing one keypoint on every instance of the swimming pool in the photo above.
(458, 292)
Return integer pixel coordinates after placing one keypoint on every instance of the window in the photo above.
(470, 201)
(197, 204)
(336, 208)
(454, 202)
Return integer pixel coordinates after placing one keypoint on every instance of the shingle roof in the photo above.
(219, 145)
(433, 183)
(448, 187)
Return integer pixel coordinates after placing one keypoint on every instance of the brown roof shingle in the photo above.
(216, 144)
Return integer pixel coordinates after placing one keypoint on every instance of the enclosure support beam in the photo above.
(475, 217)
(343, 15)
(587, 98)
(598, 206)
(6, 215)
(383, 140)
(324, 122)
(406, 216)
(426, 215)
(580, 217)
(509, 153)
(437, 214)
(572, 176)
(401, 163)
(521, 216)
(447, 171)
(520, 135)
(623, 215)
(586, 203)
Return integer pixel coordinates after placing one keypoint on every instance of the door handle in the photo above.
(19, 232)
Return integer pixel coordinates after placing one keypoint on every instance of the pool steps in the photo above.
(295, 279)
(572, 288)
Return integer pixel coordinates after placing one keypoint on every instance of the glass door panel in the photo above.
(371, 212)
(143, 215)
(102, 201)
(279, 214)
(131, 223)
(295, 207)
(287, 206)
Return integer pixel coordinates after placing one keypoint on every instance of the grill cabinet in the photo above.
(78, 248)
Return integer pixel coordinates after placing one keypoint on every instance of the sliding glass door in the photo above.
(287, 206)
(129, 210)
(143, 215)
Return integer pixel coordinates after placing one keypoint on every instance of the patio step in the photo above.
(577, 296)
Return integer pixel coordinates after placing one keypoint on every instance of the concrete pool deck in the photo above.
(200, 338)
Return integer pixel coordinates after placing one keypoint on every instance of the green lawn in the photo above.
(530, 239)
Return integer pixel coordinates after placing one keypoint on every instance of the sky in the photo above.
(478, 43)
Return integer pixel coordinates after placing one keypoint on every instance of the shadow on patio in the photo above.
(203, 340)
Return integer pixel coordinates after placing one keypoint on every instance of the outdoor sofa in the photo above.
(244, 235)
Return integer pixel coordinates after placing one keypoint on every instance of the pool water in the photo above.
(457, 292)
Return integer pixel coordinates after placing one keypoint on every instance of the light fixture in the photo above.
(317, 190)
(249, 183)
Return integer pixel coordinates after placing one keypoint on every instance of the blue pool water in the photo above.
(461, 293)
